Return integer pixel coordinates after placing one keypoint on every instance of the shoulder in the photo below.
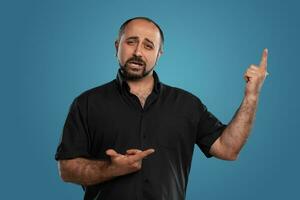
(96, 93)
(182, 102)
(179, 93)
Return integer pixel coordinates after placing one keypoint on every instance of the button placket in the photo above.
(142, 133)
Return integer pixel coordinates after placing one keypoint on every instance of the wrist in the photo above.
(251, 97)
(107, 171)
(111, 170)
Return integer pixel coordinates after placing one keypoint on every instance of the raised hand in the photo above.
(128, 163)
(255, 76)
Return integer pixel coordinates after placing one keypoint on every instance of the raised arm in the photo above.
(229, 144)
(90, 172)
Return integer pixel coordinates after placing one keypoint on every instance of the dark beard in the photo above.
(132, 76)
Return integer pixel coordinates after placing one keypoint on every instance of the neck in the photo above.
(142, 85)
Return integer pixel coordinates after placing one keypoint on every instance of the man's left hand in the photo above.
(255, 76)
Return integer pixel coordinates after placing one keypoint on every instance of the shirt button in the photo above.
(146, 180)
(144, 136)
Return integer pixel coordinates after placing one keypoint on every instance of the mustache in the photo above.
(136, 60)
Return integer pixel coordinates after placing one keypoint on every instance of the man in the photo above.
(133, 138)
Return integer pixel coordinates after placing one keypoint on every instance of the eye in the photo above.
(148, 46)
(130, 42)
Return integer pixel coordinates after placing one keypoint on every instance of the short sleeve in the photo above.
(209, 130)
(74, 141)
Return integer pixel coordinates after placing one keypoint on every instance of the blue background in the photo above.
(51, 51)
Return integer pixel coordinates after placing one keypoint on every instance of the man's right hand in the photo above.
(128, 163)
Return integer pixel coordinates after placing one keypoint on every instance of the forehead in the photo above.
(142, 29)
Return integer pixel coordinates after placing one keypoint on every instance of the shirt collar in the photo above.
(123, 84)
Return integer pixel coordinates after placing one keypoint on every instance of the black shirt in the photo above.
(171, 122)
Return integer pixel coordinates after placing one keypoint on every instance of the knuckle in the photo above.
(130, 162)
(249, 70)
(136, 166)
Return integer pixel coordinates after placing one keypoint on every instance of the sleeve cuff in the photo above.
(209, 141)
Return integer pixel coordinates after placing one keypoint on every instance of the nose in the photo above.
(138, 50)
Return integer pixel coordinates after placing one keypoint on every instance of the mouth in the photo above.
(136, 64)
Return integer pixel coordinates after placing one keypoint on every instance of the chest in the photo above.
(124, 128)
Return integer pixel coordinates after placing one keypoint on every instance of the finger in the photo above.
(264, 60)
(250, 70)
(141, 155)
(253, 70)
(248, 75)
(133, 151)
(254, 67)
(112, 153)
(147, 152)
(257, 71)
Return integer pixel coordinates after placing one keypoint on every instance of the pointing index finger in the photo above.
(133, 151)
(142, 155)
(264, 59)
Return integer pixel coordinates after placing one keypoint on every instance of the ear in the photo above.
(160, 52)
(117, 46)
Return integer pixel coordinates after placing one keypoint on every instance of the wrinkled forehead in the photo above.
(142, 29)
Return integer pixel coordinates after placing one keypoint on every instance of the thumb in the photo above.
(111, 153)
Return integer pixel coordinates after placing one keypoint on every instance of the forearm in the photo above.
(84, 171)
(236, 133)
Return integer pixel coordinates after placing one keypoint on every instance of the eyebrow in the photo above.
(132, 38)
(136, 38)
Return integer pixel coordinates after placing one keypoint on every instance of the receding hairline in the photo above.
(124, 25)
